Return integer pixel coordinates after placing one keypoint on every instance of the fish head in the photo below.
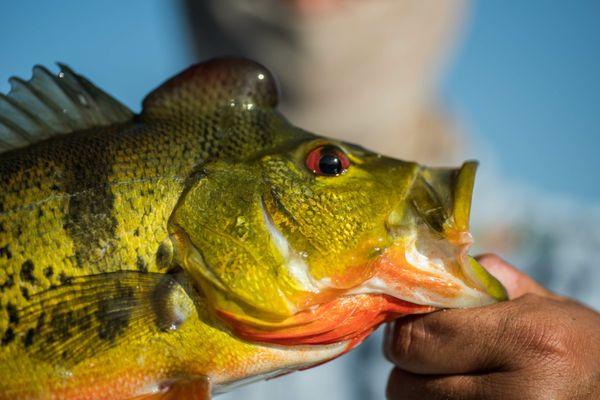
(309, 240)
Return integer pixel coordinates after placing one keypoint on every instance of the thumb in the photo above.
(516, 282)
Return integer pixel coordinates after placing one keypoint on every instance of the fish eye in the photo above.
(327, 160)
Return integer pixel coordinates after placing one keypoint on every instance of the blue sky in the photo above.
(526, 78)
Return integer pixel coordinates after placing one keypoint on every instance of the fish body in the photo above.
(205, 242)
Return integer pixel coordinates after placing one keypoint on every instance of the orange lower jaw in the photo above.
(350, 318)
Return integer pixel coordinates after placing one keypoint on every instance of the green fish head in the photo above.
(302, 224)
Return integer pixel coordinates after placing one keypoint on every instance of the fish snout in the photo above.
(428, 263)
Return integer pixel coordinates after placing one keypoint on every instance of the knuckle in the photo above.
(552, 342)
(538, 327)
(408, 336)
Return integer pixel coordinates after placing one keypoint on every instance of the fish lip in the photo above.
(463, 197)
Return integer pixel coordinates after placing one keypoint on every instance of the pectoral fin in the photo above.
(91, 314)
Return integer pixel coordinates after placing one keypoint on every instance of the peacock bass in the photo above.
(206, 242)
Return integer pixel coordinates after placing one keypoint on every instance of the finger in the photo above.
(516, 282)
(461, 341)
(407, 386)
(513, 385)
(452, 341)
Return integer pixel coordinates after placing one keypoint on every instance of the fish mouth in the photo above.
(428, 262)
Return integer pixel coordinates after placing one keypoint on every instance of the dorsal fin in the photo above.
(211, 84)
(49, 105)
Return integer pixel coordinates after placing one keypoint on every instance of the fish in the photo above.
(206, 242)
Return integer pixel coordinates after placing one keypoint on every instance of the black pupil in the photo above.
(330, 164)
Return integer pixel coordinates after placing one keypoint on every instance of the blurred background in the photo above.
(513, 84)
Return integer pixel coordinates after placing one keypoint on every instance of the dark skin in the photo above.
(536, 346)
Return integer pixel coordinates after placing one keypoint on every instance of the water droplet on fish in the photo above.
(82, 100)
(65, 373)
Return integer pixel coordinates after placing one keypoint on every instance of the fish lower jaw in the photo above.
(424, 269)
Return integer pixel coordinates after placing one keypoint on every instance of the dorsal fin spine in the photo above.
(57, 113)
(42, 72)
(48, 105)
(115, 106)
(42, 126)
(15, 128)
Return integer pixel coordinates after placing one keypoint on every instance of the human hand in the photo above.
(535, 346)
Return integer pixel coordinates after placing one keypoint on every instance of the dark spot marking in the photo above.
(13, 314)
(60, 326)
(140, 263)
(27, 272)
(64, 279)
(79, 260)
(164, 255)
(25, 293)
(48, 272)
(40, 322)
(90, 221)
(84, 322)
(40, 213)
(136, 232)
(8, 337)
(8, 283)
(5, 252)
(28, 339)
(113, 314)
(54, 187)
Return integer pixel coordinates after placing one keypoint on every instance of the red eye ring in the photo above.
(327, 160)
